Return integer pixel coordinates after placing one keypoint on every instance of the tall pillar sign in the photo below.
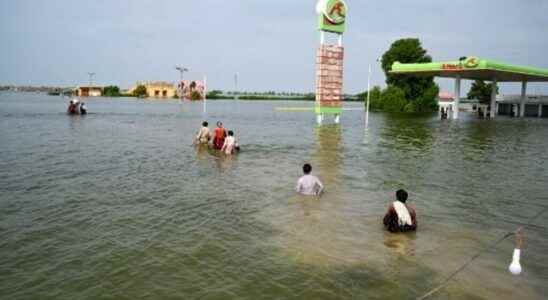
(329, 59)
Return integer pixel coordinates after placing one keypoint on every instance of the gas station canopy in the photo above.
(473, 68)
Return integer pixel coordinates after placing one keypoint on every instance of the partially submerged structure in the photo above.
(473, 68)
(89, 91)
(157, 89)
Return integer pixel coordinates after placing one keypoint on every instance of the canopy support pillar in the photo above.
(523, 98)
(493, 108)
(457, 98)
(540, 110)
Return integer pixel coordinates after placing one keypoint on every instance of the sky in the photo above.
(270, 44)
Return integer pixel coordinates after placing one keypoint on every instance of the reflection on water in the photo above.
(118, 204)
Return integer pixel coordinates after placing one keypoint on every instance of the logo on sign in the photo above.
(332, 15)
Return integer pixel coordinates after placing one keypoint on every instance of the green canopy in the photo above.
(473, 68)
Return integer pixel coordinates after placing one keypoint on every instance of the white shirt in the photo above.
(230, 143)
(309, 185)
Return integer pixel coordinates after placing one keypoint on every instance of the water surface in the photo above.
(119, 205)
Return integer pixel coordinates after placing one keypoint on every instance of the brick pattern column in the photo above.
(329, 79)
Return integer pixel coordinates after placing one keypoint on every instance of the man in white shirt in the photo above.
(309, 185)
(204, 135)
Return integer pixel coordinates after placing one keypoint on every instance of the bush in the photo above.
(393, 99)
(140, 91)
(111, 91)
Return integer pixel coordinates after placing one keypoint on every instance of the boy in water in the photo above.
(400, 217)
(309, 185)
(230, 144)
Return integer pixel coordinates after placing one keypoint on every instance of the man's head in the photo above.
(401, 195)
(219, 124)
(205, 124)
(307, 168)
(230, 133)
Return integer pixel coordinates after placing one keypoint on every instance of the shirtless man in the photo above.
(400, 217)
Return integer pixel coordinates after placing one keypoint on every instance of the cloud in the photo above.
(271, 44)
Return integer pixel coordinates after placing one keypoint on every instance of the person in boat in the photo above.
(204, 135)
(219, 137)
(230, 145)
(83, 108)
(400, 217)
(309, 185)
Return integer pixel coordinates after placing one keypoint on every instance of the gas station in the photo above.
(474, 68)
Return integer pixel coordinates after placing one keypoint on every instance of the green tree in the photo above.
(481, 91)
(111, 91)
(374, 100)
(214, 94)
(416, 89)
(140, 91)
(393, 99)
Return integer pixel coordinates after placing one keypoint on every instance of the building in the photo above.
(89, 91)
(157, 89)
(532, 106)
(446, 101)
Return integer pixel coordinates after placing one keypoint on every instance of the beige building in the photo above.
(89, 91)
(158, 89)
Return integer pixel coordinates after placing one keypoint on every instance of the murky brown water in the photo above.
(119, 205)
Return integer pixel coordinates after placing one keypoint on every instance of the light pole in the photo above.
(236, 86)
(91, 74)
(182, 70)
(368, 96)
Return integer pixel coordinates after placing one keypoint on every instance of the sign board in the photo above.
(468, 63)
(331, 15)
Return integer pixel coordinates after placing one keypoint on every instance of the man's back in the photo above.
(309, 185)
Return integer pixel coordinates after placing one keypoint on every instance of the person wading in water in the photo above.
(204, 135)
(400, 217)
(219, 138)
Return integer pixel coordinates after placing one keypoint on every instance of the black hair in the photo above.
(401, 195)
(307, 168)
(219, 123)
(205, 124)
(230, 133)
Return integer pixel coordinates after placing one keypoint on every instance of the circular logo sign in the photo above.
(333, 10)
(471, 62)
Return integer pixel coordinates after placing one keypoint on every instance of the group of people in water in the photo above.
(77, 108)
(221, 139)
(399, 217)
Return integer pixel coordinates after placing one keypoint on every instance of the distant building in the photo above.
(446, 100)
(158, 89)
(89, 91)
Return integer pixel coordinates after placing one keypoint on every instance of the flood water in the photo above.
(119, 205)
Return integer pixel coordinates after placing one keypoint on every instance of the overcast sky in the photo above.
(270, 44)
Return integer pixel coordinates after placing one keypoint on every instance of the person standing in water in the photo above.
(83, 108)
(309, 185)
(400, 217)
(204, 135)
(230, 145)
(219, 138)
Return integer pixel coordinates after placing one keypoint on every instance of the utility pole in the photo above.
(91, 74)
(236, 93)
